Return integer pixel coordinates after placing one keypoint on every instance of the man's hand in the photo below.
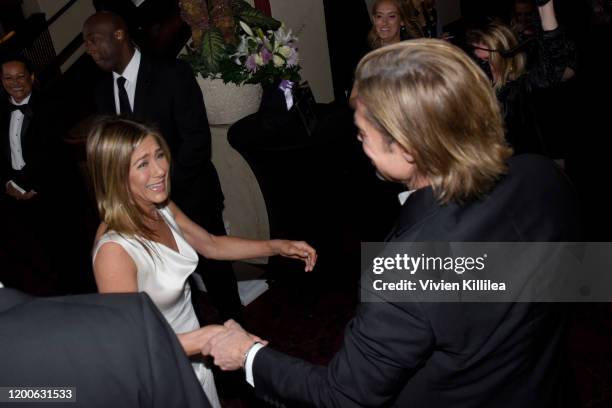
(228, 348)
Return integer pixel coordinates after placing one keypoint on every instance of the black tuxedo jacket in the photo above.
(39, 143)
(117, 350)
(168, 97)
(448, 354)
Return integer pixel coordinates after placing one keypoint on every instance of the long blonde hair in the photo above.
(407, 16)
(110, 144)
(433, 100)
(499, 37)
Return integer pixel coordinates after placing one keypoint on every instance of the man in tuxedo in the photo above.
(166, 95)
(113, 350)
(28, 150)
(428, 118)
(41, 205)
(23, 144)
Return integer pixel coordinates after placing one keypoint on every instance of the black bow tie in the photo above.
(23, 108)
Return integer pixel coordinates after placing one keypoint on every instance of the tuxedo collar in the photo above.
(31, 100)
(419, 205)
(25, 100)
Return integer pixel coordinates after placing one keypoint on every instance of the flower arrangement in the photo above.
(237, 43)
(265, 57)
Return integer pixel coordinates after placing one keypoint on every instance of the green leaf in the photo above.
(256, 18)
(213, 50)
(240, 5)
(253, 17)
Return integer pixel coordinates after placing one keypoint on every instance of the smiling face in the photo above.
(390, 159)
(387, 22)
(17, 80)
(148, 175)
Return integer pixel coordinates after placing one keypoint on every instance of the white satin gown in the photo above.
(164, 278)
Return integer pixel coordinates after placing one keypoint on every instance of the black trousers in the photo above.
(43, 248)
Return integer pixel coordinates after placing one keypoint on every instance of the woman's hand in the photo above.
(296, 250)
(195, 340)
(208, 332)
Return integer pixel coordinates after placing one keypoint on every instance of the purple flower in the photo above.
(285, 84)
(250, 64)
(266, 55)
(293, 58)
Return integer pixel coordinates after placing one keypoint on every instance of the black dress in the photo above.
(554, 53)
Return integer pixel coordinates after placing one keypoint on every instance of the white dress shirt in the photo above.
(16, 123)
(130, 73)
(248, 365)
(403, 196)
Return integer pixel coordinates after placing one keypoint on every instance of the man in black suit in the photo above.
(113, 350)
(24, 145)
(41, 205)
(166, 95)
(32, 177)
(428, 118)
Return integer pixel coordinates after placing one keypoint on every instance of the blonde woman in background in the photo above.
(392, 21)
(494, 48)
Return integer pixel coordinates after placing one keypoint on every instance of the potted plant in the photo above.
(234, 49)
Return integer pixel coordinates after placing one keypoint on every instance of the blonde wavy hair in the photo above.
(407, 15)
(497, 36)
(110, 145)
(434, 101)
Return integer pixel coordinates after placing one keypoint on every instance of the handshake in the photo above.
(228, 344)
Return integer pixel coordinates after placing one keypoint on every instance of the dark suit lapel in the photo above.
(5, 122)
(417, 207)
(105, 96)
(28, 116)
(27, 120)
(108, 96)
(142, 87)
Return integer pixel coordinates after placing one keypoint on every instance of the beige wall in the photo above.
(42, 6)
(67, 27)
(306, 18)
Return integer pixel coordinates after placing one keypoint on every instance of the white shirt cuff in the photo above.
(248, 366)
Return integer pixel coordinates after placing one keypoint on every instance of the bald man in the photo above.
(166, 94)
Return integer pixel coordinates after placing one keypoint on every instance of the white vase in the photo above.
(227, 103)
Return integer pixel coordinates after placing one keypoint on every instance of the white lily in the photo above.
(278, 60)
(246, 28)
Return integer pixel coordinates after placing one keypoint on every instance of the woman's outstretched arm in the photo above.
(233, 248)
